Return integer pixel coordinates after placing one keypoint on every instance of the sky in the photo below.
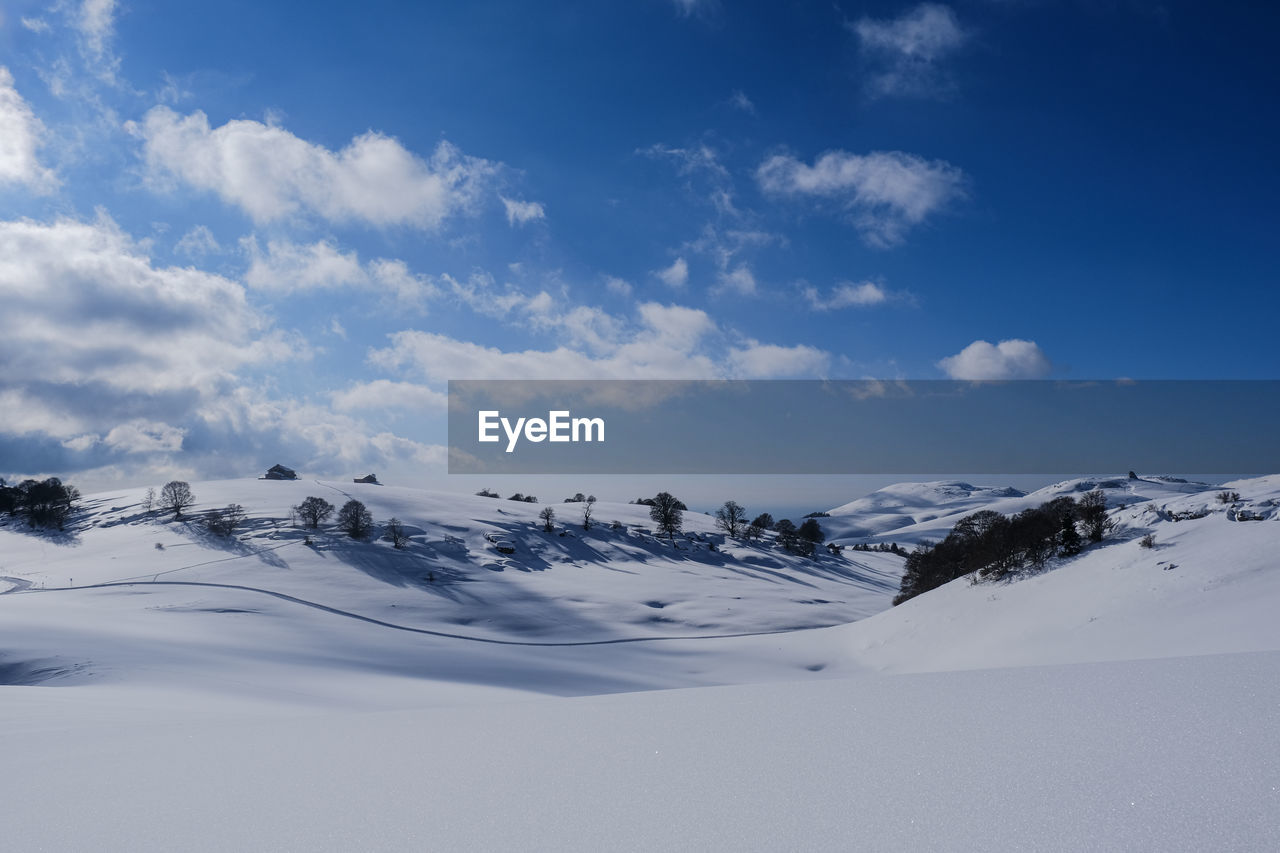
(243, 233)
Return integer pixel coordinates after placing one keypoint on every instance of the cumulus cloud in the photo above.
(618, 286)
(770, 361)
(272, 174)
(886, 193)
(20, 136)
(676, 275)
(906, 51)
(522, 212)
(1011, 359)
(287, 267)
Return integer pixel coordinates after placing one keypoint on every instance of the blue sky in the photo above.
(239, 233)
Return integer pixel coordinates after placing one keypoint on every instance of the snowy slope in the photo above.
(1126, 698)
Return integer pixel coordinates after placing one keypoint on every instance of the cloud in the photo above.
(197, 243)
(522, 212)
(94, 21)
(287, 267)
(383, 394)
(1011, 359)
(848, 294)
(35, 25)
(689, 8)
(273, 175)
(20, 136)
(676, 275)
(739, 100)
(770, 361)
(886, 193)
(740, 280)
(663, 342)
(696, 158)
(908, 49)
(618, 286)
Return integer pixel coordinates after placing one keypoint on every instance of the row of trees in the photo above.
(354, 519)
(993, 545)
(41, 503)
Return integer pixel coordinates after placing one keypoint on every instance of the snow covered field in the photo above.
(172, 690)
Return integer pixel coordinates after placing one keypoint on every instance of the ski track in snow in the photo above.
(445, 634)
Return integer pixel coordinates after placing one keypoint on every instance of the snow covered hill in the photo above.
(491, 685)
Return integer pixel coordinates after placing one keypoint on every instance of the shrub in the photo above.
(1228, 497)
(1148, 541)
(224, 522)
(486, 493)
(396, 533)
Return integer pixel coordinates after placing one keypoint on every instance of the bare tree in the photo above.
(548, 516)
(313, 511)
(354, 519)
(149, 500)
(587, 508)
(224, 521)
(176, 495)
(667, 513)
(731, 518)
(396, 533)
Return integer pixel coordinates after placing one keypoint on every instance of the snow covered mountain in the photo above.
(490, 685)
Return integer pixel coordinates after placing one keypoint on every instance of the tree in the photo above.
(313, 511)
(396, 533)
(754, 532)
(810, 536)
(44, 503)
(354, 519)
(176, 495)
(787, 537)
(224, 521)
(149, 500)
(587, 508)
(764, 521)
(576, 499)
(1069, 541)
(548, 516)
(667, 513)
(731, 518)
(1093, 515)
(487, 493)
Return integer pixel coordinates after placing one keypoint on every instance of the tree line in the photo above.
(41, 503)
(993, 545)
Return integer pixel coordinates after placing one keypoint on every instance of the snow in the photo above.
(581, 692)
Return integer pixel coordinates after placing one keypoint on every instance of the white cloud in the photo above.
(287, 267)
(770, 361)
(522, 212)
(885, 192)
(141, 436)
(739, 100)
(698, 158)
(909, 49)
(618, 286)
(848, 294)
(36, 25)
(272, 174)
(95, 22)
(688, 8)
(676, 275)
(1011, 359)
(197, 243)
(20, 136)
(384, 394)
(740, 280)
